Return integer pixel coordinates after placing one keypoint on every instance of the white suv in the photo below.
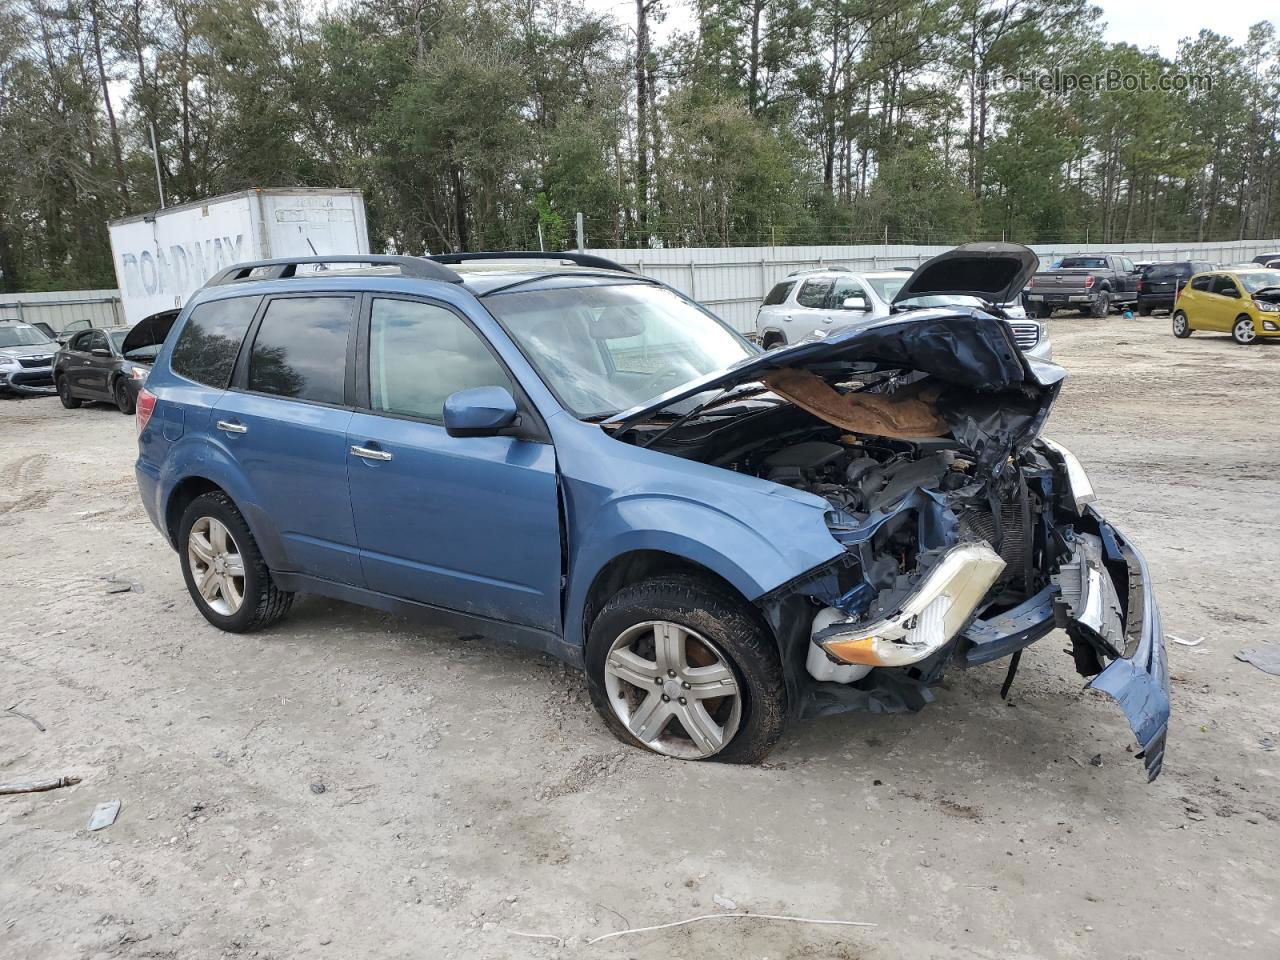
(816, 302)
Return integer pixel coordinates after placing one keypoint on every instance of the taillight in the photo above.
(1088, 281)
(145, 407)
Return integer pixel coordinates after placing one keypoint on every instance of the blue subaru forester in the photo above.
(552, 450)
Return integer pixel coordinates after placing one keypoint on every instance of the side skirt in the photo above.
(530, 638)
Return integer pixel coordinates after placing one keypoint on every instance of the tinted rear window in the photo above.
(1201, 282)
(301, 348)
(1092, 263)
(779, 293)
(207, 347)
(1167, 271)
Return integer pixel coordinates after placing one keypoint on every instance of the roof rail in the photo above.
(829, 268)
(581, 259)
(420, 268)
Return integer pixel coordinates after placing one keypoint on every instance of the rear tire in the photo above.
(124, 399)
(260, 602)
(64, 394)
(1144, 309)
(772, 341)
(1181, 326)
(719, 633)
(1243, 331)
(1101, 306)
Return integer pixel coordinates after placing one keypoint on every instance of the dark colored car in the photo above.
(1160, 282)
(553, 450)
(1091, 283)
(109, 364)
(1267, 259)
(26, 357)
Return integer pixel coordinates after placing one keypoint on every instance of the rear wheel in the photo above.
(1181, 328)
(223, 567)
(1243, 331)
(1101, 305)
(64, 394)
(1144, 309)
(124, 398)
(1040, 311)
(772, 340)
(686, 670)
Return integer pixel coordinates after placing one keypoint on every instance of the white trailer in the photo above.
(161, 258)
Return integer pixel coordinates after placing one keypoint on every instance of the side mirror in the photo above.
(479, 412)
(100, 352)
(854, 303)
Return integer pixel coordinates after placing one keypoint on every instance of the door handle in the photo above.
(227, 427)
(368, 454)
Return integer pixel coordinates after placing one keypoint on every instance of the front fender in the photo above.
(756, 549)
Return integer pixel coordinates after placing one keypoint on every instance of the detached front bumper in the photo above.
(31, 381)
(1102, 596)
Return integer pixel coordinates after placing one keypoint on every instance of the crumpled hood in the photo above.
(966, 347)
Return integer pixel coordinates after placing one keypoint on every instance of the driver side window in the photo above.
(420, 354)
(843, 290)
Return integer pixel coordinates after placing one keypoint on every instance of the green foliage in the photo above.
(474, 125)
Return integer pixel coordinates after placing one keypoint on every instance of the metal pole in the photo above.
(155, 155)
(582, 235)
(541, 246)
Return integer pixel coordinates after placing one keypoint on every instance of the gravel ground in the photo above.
(349, 784)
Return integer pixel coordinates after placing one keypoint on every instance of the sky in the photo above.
(1146, 23)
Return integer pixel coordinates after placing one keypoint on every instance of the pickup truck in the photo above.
(1090, 283)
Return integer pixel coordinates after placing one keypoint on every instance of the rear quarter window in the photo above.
(210, 340)
(779, 293)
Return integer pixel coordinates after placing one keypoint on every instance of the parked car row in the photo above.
(814, 303)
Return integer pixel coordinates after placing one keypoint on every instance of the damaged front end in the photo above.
(966, 536)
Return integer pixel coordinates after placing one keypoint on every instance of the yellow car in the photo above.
(1241, 301)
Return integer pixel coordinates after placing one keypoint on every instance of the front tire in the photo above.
(686, 670)
(124, 399)
(1243, 331)
(64, 394)
(223, 567)
(1181, 328)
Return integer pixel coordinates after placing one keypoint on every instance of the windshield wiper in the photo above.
(725, 394)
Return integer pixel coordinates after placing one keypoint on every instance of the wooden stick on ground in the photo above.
(38, 786)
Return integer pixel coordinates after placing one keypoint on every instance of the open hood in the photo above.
(989, 270)
(962, 346)
(149, 332)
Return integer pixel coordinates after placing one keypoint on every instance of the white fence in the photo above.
(733, 280)
(730, 280)
(60, 308)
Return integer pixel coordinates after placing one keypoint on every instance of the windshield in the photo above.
(21, 335)
(606, 349)
(887, 288)
(1253, 282)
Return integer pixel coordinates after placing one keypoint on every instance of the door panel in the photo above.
(466, 523)
(285, 425)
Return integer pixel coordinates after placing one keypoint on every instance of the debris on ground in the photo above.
(38, 786)
(729, 916)
(123, 585)
(1095, 760)
(1266, 659)
(14, 711)
(317, 788)
(104, 815)
(1186, 643)
(724, 903)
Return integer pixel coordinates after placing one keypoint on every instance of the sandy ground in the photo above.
(470, 792)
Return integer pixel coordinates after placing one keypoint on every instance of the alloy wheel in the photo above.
(217, 567)
(1179, 324)
(673, 690)
(1244, 331)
